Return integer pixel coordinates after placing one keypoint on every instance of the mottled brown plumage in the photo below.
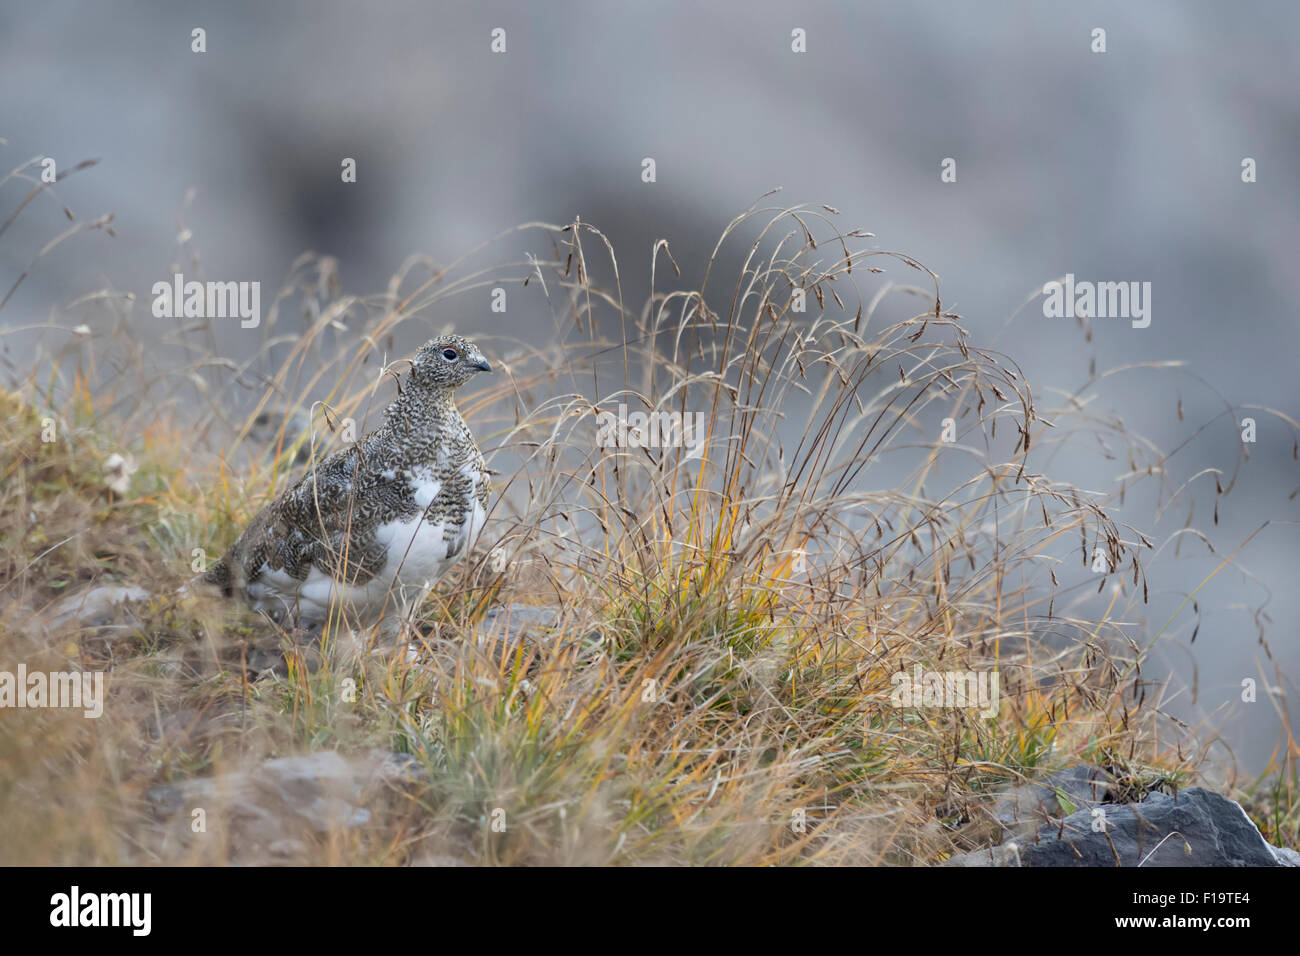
(376, 523)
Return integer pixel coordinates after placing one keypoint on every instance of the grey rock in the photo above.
(506, 628)
(262, 660)
(1008, 854)
(165, 800)
(1023, 810)
(1197, 827)
(288, 849)
(93, 608)
(306, 776)
(276, 806)
(438, 859)
(1285, 856)
(331, 813)
(514, 618)
(301, 777)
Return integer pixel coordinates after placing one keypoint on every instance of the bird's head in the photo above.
(447, 362)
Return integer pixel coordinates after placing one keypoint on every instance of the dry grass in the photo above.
(730, 623)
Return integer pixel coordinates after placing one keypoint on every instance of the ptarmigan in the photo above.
(373, 526)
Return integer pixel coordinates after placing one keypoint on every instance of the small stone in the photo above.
(95, 607)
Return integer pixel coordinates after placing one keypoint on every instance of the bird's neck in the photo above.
(419, 425)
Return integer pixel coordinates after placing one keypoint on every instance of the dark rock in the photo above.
(1196, 827)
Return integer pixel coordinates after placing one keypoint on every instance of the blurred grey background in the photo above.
(1117, 166)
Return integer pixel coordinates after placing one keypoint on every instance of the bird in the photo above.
(374, 525)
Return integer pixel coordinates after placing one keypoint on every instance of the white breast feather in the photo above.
(417, 557)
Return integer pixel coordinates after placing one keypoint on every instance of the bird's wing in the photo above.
(325, 520)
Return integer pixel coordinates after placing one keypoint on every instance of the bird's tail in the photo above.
(218, 575)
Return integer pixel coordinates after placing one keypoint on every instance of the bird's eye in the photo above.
(449, 354)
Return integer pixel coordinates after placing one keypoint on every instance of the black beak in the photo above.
(482, 365)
